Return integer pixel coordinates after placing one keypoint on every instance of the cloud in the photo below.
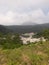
(24, 2)
(23, 5)
(7, 18)
(16, 18)
(18, 11)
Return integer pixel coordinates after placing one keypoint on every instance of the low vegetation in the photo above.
(44, 33)
(31, 54)
(13, 52)
(10, 41)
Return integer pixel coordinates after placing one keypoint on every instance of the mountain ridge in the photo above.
(4, 30)
(29, 23)
(28, 28)
(23, 28)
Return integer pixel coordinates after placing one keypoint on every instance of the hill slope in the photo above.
(28, 28)
(33, 54)
(3, 29)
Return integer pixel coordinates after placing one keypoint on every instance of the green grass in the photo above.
(32, 54)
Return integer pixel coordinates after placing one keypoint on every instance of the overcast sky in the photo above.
(15, 12)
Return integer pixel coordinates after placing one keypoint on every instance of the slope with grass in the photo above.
(31, 54)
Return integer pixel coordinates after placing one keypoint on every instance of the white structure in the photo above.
(30, 39)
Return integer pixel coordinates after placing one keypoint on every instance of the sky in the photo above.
(16, 12)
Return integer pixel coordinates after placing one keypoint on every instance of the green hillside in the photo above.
(28, 28)
(4, 30)
(13, 52)
(32, 54)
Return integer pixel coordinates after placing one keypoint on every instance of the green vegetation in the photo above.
(32, 54)
(28, 28)
(10, 41)
(13, 52)
(44, 33)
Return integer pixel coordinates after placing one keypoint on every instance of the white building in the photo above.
(25, 40)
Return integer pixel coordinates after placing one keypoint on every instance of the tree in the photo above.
(45, 33)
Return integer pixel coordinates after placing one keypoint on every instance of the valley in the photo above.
(28, 48)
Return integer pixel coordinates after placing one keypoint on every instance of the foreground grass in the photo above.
(32, 54)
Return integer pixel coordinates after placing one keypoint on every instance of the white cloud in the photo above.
(24, 2)
(6, 18)
(21, 5)
(15, 18)
(19, 11)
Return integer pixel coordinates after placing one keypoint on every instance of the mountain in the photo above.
(29, 23)
(28, 28)
(3, 29)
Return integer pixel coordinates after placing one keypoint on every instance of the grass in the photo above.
(32, 54)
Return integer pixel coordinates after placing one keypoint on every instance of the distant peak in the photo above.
(29, 23)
